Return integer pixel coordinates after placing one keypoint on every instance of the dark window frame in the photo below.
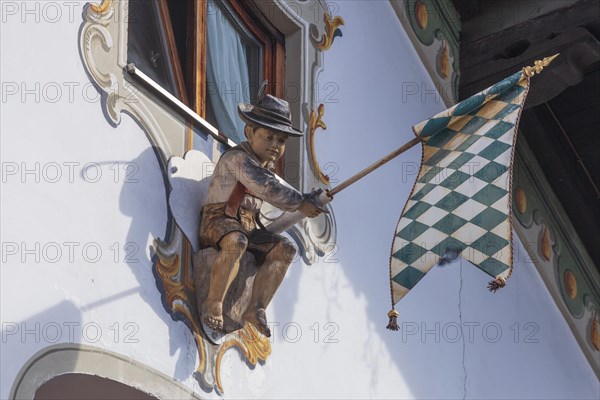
(191, 78)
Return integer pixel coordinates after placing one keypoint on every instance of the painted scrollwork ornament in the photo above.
(103, 42)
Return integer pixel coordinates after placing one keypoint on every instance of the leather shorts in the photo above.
(215, 224)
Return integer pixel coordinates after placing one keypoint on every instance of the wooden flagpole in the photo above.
(289, 219)
(373, 167)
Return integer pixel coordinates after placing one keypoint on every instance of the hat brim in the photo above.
(245, 112)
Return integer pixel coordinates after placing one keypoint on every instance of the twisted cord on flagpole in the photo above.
(529, 72)
(499, 282)
(495, 284)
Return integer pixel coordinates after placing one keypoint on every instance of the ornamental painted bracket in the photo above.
(316, 121)
(103, 49)
(189, 178)
(433, 27)
(332, 30)
(318, 235)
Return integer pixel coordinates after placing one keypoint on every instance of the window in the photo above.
(79, 386)
(211, 54)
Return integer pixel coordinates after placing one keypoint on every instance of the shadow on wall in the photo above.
(139, 198)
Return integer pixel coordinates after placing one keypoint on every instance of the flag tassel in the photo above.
(393, 324)
(496, 284)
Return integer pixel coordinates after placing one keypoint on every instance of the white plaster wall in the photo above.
(62, 298)
(534, 355)
(330, 340)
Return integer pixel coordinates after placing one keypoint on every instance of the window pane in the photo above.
(146, 48)
(232, 70)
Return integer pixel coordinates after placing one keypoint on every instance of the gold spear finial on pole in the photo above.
(538, 66)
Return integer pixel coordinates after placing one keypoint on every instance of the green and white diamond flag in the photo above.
(461, 199)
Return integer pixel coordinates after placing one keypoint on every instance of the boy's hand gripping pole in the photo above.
(289, 219)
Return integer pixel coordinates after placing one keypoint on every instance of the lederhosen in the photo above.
(219, 219)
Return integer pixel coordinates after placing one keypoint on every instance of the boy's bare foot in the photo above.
(258, 319)
(213, 322)
(212, 315)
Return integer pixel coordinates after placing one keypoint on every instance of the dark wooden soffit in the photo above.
(562, 117)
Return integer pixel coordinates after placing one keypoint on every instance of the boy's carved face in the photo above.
(268, 145)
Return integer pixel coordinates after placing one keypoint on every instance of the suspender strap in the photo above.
(235, 200)
(258, 221)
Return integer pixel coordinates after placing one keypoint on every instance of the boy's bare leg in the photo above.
(268, 278)
(224, 270)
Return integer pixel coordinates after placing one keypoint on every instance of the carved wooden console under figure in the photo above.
(189, 178)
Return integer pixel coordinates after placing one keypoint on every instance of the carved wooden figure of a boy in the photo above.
(242, 180)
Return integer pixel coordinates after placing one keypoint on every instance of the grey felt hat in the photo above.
(269, 112)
